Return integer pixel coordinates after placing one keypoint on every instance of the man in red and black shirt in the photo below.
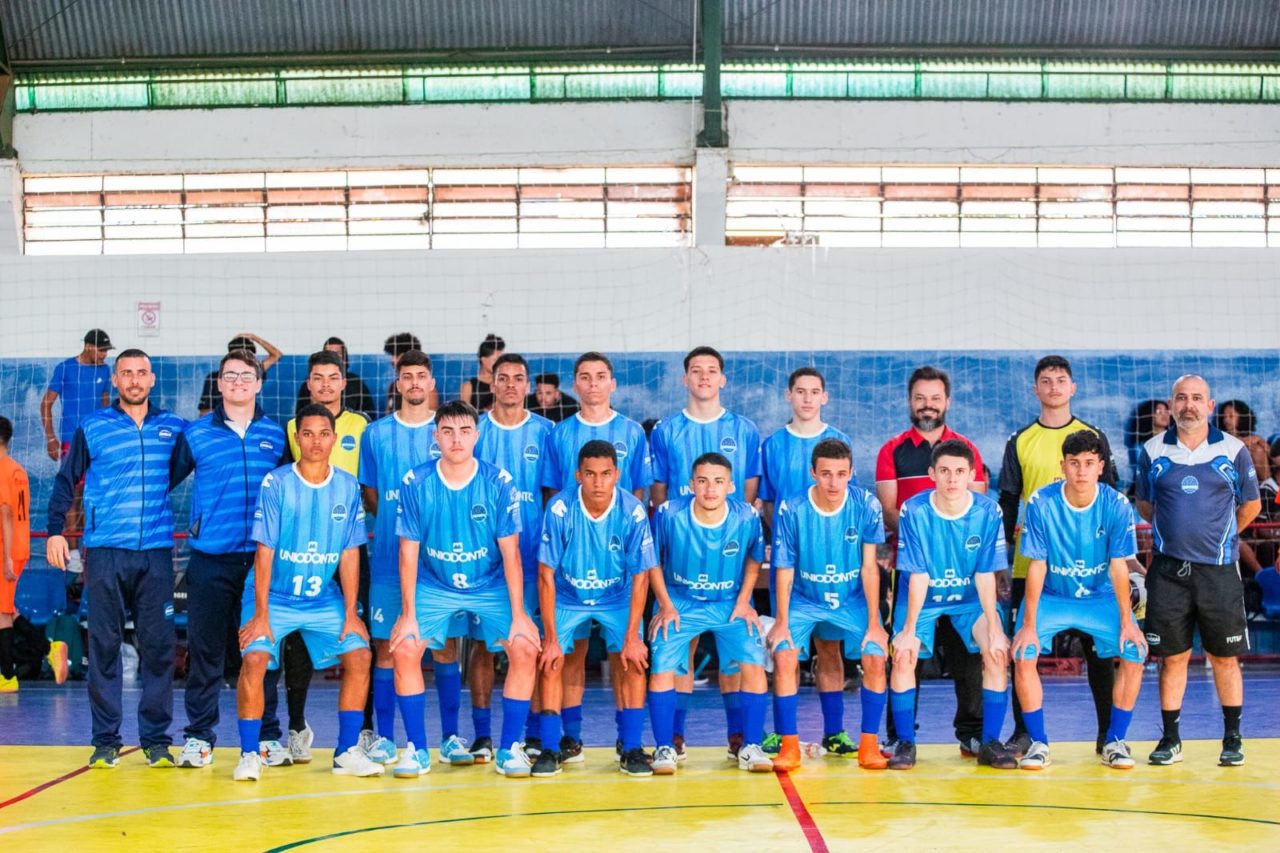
(902, 470)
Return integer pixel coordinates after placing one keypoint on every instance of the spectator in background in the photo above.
(355, 396)
(210, 395)
(548, 401)
(1234, 417)
(1265, 540)
(478, 390)
(396, 346)
(1149, 417)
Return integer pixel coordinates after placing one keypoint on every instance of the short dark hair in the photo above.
(1082, 441)
(830, 448)
(315, 410)
(592, 356)
(711, 458)
(552, 379)
(697, 351)
(1246, 420)
(324, 356)
(241, 355)
(241, 342)
(491, 344)
(131, 352)
(1052, 362)
(457, 409)
(951, 447)
(415, 358)
(929, 373)
(6, 430)
(597, 448)
(339, 342)
(400, 343)
(806, 371)
(512, 358)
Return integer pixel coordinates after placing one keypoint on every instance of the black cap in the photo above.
(241, 343)
(98, 338)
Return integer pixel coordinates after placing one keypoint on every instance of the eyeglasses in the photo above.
(247, 377)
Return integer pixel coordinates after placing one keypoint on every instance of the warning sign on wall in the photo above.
(148, 319)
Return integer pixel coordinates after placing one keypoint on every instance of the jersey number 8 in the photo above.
(460, 581)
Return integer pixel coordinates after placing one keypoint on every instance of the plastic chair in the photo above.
(41, 594)
(1269, 581)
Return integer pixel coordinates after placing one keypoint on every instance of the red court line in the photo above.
(44, 786)
(810, 829)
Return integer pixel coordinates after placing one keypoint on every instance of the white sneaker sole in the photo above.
(376, 770)
(194, 763)
(410, 773)
(664, 769)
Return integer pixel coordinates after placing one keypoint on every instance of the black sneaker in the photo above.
(104, 757)
(904, 755)
(887, 749)
(1167, 751)
(617, 748)
(1017, 745)
(997, 756)
(482, 750)
(1099, 743)
(1232, 754)
(532, 747)
(735, 746)
(635, 763)
(571, 750)
(158, 755)
(548, 764)
(678, 742)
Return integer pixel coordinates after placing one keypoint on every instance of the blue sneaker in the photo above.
(454, 751)
(414, 763)
(513, 762)
(382, 751)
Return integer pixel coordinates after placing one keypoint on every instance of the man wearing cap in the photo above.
(210, 396)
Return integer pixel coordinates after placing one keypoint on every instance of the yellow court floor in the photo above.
(48, 803)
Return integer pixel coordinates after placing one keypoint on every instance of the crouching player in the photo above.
(824, 564)
(951, 543)
(308, 524)
(1079, 536)
(709, 549)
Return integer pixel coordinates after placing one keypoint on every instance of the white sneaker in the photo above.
(513, 762)
(382, 751)
(196, 753)
(249, 769)
(300, 744)
(354, 762)
(1036, 758)
(274, 753)
(414, 763)
(366, 739)
(665, 761)
(753, 759)
(1116, 754)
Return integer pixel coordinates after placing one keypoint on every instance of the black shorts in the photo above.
(1182, 596)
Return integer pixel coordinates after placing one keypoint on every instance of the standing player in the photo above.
(709, 548)
(951, 543)
(459, 527)
(1198, 488)
(308, 525)
(389, 449)
(1079, 536)
(824, 563)
(1033, 458)
(593, 561)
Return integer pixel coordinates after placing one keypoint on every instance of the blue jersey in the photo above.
(521, 452)
(705, 562)
(626, 436)
(824, 549)
(1078, 545)
(307, 526)
(458, 528)
(679, 440)
(951, 549)
(80, 388)
(786, 460)
(595, 558)
(389, 449)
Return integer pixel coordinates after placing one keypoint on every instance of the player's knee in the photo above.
(358, 660)
(521, 654)
(873, 665)
(1223, 664)
(407, 655)
(254, 664)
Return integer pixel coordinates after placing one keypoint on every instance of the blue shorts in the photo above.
(384, 608)
(735, 642)
(1098, 617)
(848, 623)
(444, 613)
(824, 631)
(319, 622)
(963, 617)
(612, 621)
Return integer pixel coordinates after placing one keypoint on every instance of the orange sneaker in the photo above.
(788, 758)
(869, 757)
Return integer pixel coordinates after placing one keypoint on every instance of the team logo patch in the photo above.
(615, 543)
(728, 445)
(267, 446)
(339, 513)
(850, 535)
(168, 610)
(831, 568)
(732, 548)
(973, 543)
(620, 449)
(479, 513)
(165, 433)
(1101, 531)
(1190, 485)
(1153, 639)
(348, 443)
(434, 452)
(531, 453)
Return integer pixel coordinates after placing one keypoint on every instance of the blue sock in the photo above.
(662, 715)
(1034, 721)
(249, 732)
(449, 686)
(753, 705)
(784, 714)
(902, 704)
(994, 704)
(1120, 719)
(682, 711)
(482, 721)
(572, 717)
(617, 722)
(513, 713)
(632, 728)
(413, 710)
(872, 709)
(550, 729)
(349, 723)
(533, 725)
(384, 701)
(832, 711)
(732, 712)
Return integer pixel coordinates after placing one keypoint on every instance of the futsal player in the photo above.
(308, 524)
(593, 561)
(709, 547)
(1079, 535)
(951, 543)
(459, 527)
(824, 564)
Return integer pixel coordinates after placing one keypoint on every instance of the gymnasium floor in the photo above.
(48, 801)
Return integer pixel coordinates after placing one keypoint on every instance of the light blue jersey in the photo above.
(824, 549)
(521, 452)
(389, 449)
(679, 440)
(635, 469)
(457, 529)
(1078, 544)
(595, 558)
(950, 549)
(308, 526)
(786, 460)
(704, 562)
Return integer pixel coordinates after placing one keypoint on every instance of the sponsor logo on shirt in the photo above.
(531, 453)
(621, 449)
(831, 575)
(479, 514)
(457, 554)
(165, 433)
(1189, 485)
(732, 548)
(973, 543)
(728, 445)
(267, 446)
(339, 513)
(704, 583)
(313, 556)
(348, 443)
